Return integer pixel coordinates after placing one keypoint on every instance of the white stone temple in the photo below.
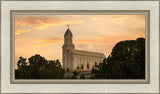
(79, 60)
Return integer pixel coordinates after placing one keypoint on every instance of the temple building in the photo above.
(79, 60)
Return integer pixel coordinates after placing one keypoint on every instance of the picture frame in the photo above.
(11, 8)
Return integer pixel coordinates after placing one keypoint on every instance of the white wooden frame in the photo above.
(7, 87)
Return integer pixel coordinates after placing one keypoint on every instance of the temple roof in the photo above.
(88, 53)
(68, 32)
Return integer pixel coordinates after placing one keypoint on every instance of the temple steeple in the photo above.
(68, 36)
(68, 48)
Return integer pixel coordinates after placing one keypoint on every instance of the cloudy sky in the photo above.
(44, 34)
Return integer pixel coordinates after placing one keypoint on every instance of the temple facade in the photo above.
(79, 60)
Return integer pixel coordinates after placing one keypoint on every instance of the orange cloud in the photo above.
(119, 18)
(19, 31)
(49, 41)
(42, 22)
(45, 25)
(56, 40)
(20, 22)
(88, 41)
(94, 18)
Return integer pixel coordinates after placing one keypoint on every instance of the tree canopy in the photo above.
(126, 61)
(38, 68)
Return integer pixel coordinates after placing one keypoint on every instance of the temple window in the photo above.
(87, 65)
(81, 66)
(96, 65)
(78, 67)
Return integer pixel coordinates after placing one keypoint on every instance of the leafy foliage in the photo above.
(38, 68)
(127, 61)
(75, 73)
(82, 76)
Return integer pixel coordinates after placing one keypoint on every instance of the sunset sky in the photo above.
(44, 34)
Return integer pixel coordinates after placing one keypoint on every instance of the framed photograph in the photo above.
(65, 46)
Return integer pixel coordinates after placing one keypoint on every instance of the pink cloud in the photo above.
(42, 22)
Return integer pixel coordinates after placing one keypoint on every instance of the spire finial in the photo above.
(68, 25)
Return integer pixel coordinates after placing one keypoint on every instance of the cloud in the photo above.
(42, 22)
(19, 31)
(90, 47)
(56, 40)
(94, 18)
(120, 18)
(49, 41)
(45, 25)
(81, 41)
(95, 41)
(20, 22)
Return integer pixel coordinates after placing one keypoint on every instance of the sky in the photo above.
(44, 34)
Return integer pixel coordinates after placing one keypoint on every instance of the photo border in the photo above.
(81, 12)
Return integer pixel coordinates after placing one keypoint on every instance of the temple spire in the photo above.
(68, 25)
(68, 32)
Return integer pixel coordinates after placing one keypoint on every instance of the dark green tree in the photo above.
(82, 76)
(38, 68)
(74, 75)
(21, 62)
(126, 61)
(23, 69)
(54, 70)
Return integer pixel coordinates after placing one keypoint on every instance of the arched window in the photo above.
(87, 65)
(81, 66)
(96, 65)
(78, 67)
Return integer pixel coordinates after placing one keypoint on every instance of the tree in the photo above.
(21, 62)
(131, 53)
(126, 61)
(54, 70)
(39, 68)
(75, 73)
(37, 60)
(74, 77)
(82, 76)
(23, 69)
